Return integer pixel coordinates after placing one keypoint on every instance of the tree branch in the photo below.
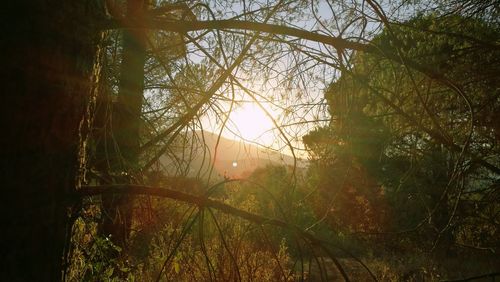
(184, 26)
(205, 202)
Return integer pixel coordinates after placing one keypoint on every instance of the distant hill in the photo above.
(234, 159)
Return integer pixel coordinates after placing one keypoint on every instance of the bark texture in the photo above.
(48, 51)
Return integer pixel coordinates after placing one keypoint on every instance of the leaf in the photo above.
(109, 272)
(177, 267)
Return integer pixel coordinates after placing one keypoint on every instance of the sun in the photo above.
(251, 122)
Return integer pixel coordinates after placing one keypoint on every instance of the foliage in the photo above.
(179, 243)
(408, 158)
(399, 127)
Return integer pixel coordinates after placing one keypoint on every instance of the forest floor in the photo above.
(450, 270)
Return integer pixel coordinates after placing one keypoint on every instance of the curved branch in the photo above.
(203, 201)
(200, 201)
(184, 26)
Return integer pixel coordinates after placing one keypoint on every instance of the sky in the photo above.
(248, 121)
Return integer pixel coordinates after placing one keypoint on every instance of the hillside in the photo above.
(233, 159)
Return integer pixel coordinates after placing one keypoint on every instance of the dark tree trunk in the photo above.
(48, 51)
(126, 121)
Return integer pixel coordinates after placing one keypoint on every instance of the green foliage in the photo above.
(383, 165)
(185, 243)
(94, 258)
(390, 150)
(450, 48)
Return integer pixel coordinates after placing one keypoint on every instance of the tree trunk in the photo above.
(48, 51)
(126, 121)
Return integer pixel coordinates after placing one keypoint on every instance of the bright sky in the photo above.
(251, 122)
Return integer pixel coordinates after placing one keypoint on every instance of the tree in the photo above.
(51, 50)
(48, 77)
(349, 198)
(117, 156)
(403, 127)
(126, 120)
